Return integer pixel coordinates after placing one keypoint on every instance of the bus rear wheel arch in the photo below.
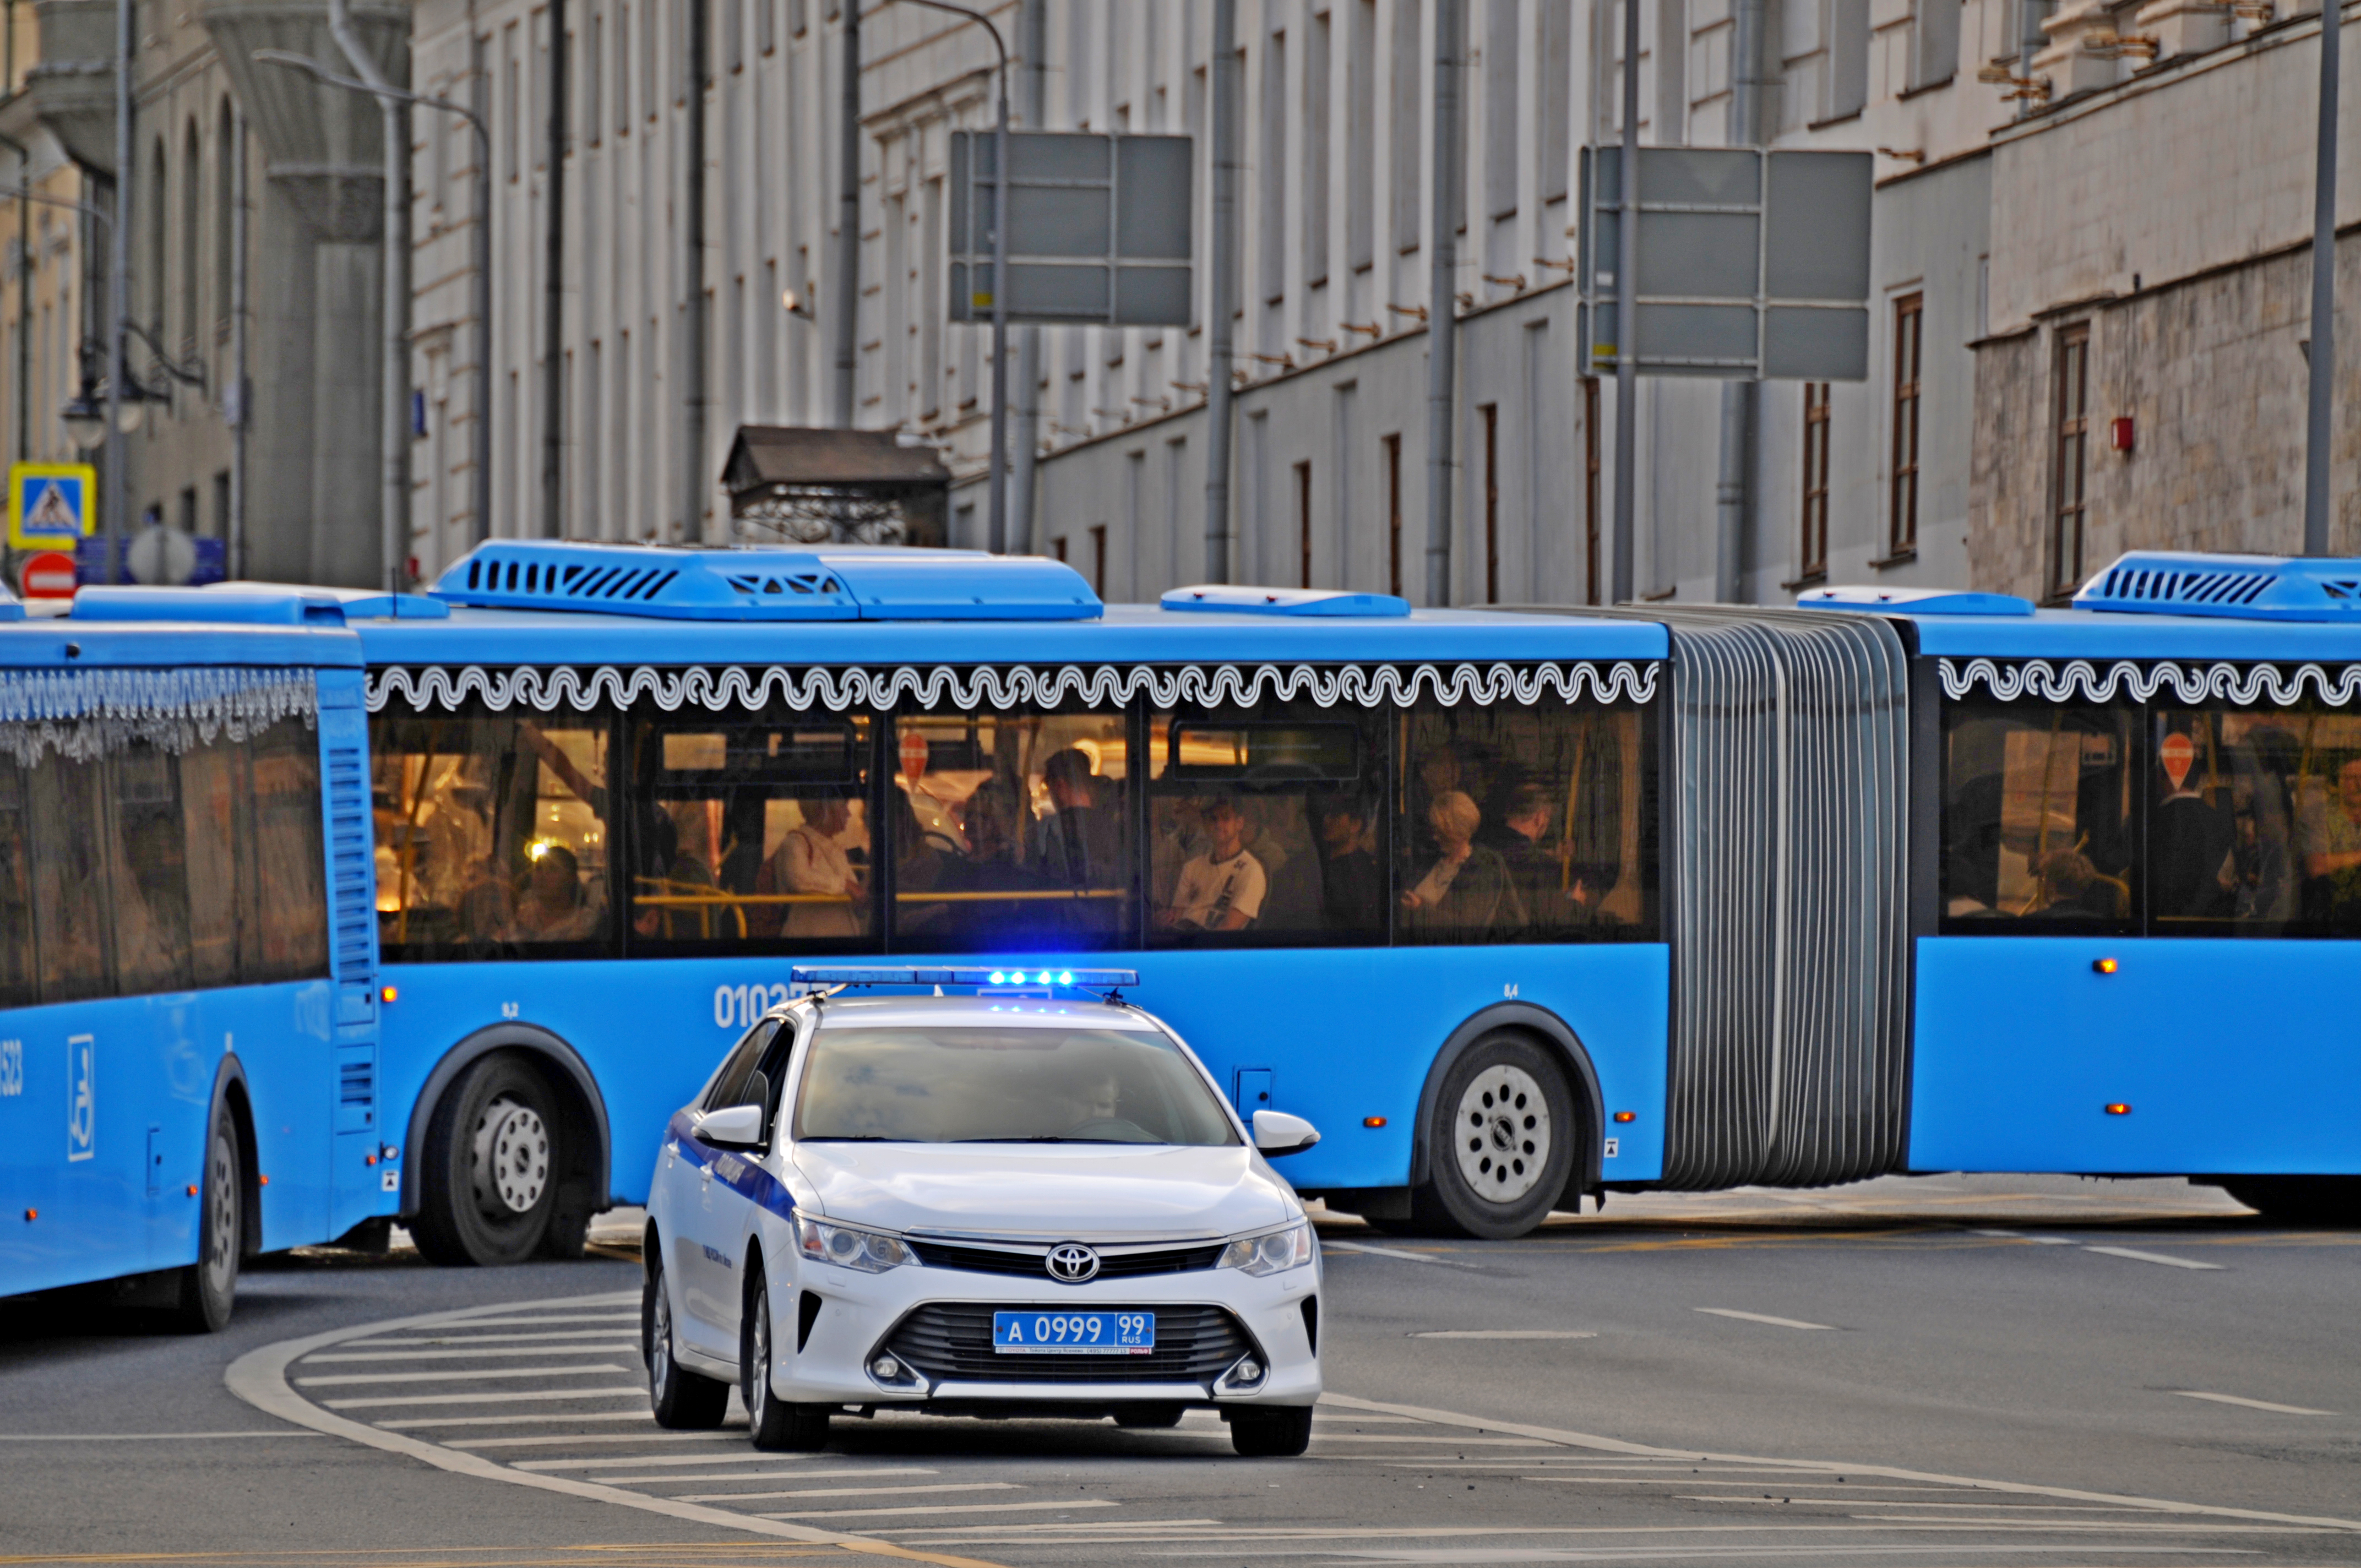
(507, 1151)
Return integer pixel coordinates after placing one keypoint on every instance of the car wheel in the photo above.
(1283, 1432)
(771, 1422)
(680, 1398)
(1148, 1418)
(1501, 1144)
(209, 1286)
(490, 1174)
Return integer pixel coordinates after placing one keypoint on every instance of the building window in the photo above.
(1909, 313)
(1592, 466)
(2068, 510)
(1490, 414)
(1098, 559)
(1392, 444)
(1058, 547)
(1303, 521)
(1812, 555)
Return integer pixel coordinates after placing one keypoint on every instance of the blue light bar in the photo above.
(1051, 974)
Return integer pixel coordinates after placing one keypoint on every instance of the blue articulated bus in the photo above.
(188, 1013)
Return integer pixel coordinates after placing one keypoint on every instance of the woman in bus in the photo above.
(810, 861)
(1468, 891)
(554, 907)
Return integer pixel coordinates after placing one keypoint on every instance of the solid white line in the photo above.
(1888, 1472)
(601, 1335)
(135, 1436)
(943, 1508)
(632, 1391)
(551, 1418)
(346, 1379)
(2250, 1404)
(1504, 1334)
(1391, 1251)
(766, 1476)
(849, 1492)
(542, 1322)
(612, 1461)
(1759, 1318)
(569, 1437)
(1440, 1439)
(605, 1347)
(2138, 1257)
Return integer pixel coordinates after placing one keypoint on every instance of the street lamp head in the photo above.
(85, 418)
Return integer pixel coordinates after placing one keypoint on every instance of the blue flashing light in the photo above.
(892, 974)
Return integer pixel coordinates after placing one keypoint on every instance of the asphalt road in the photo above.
(1931, 1372)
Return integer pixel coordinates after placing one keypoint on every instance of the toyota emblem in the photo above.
(1072, 1263)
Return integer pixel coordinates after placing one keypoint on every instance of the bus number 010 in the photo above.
(737, 1006)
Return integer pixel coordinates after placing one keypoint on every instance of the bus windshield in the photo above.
(1020, 1085)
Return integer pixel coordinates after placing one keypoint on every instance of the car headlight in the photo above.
(1270, 1252)
(871, 1251)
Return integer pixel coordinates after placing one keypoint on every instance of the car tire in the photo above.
(682, 1400)
(1501, 1143)
(1280, 1431)
(1149, 1418)
(772, 1423)
(208, 1287)
(493, 1158)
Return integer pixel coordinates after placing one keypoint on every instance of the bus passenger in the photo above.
(1553, 897)
(810, 861)
(2067, 881)
(1351, 883)
(554, 907)
(2328, 840)
(1468, 891)
(1221, 887)
(1080, 844)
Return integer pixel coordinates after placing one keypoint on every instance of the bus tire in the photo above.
(2300, 1200)
(680, 1400)
(1501, 1142)
(208, 1287)
(494, 1153)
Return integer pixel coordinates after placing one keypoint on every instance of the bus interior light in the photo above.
(2104, 966)
(1627, 1115)
(2118, 1108)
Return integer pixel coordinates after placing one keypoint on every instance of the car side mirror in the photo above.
(1276, 1133)
(738, 1127)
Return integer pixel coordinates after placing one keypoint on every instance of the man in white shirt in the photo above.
(1222, 889)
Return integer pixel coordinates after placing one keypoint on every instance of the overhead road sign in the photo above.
(1100, 228)
(52, 505)
(1753, 263)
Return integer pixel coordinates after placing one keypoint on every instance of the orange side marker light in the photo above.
(389, 994)
(31, 1214)
(192, 1192)
(2118, 1108)
(264, 1180)
(2104, 966)
(1627, 1115)
(1373, 1120)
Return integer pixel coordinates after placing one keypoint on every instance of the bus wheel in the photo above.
(2300, 1200)
(491, 1167)
(209, 1286)
(1501, 1142)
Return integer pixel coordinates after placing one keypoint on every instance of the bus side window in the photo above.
(216, 834)
(150, 870)
(2039, 821)
(290, 885)
(69, 914)
(17, 988)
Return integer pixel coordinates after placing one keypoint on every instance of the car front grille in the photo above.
(1112, 1266)
(952, 1341)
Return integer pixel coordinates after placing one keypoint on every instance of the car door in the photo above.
(709, 1211)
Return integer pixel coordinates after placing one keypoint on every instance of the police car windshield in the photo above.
(1004, 1085)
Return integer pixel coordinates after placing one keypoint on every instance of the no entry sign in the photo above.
(49, 576)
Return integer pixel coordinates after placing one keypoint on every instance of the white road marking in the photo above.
(612, 1461)
(536, 1322)
(1470, 1557)
(135, 1436)
(2037, 1240)
(675, 1480)
(1391, 1251)
(1888, 1472)
(2138, 1257)
(941, 1508)
(1440, 1439)
(1759, 1318)
(1504, 1334)
(571, 1436)
(599, 1334)
(851, 1492)
(1356, 1420)
(471, 1375)
(548, 1416)
(632, 1391)
(605, 1347)
(2250, 1404)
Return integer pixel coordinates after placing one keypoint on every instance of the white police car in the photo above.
(1030, 1199)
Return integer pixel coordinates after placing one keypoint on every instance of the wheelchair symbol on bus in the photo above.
(82, 1097)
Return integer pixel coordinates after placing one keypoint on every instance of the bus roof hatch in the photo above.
(2244, 587)
(1222, 596)
(768, 583)
(1915, 601)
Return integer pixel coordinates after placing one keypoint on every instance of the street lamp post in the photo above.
(996, 475)
(483, 248)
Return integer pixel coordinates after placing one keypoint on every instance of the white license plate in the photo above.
(1073, 1334)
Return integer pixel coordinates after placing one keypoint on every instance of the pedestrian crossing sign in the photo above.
(51, 505)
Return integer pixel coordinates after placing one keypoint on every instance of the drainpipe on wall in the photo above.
(241, 395)
(1221, 289)
(847, 323)
(1025, 530)
(696, 491)
(1442, 303)
(552, 297)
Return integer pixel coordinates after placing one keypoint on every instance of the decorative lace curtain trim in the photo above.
(2082, 680)
(83, 715)
(715, 687)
